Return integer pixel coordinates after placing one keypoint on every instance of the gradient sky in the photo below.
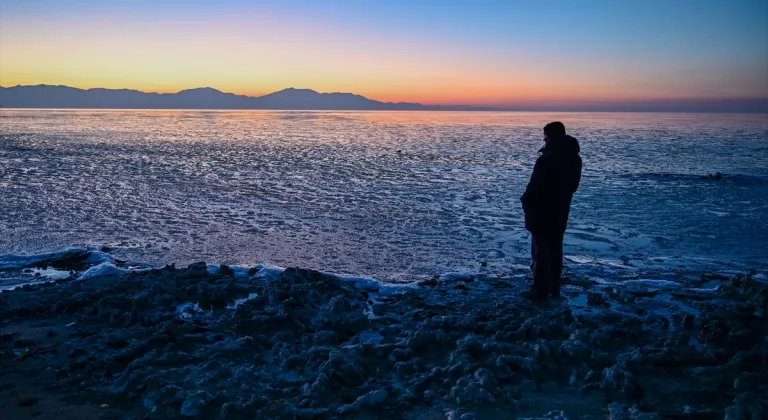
(430, 51)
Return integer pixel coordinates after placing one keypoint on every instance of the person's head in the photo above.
(553, 130)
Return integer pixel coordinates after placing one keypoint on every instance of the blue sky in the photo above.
(497, 50)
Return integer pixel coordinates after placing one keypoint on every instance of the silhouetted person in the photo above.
(547, 204)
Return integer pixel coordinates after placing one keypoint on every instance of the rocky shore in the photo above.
(217, 342)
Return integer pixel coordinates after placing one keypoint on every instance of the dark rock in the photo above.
(226, 270)
(734, 413)
(737, 280)
(338, 305)
(355, 323)
(743, 339)
(309, 413)
(689, 321)
(471, 392)
(713, 276)
(371, 399)
(753, 404)
(21, 343)
(617, 411)
(432, 282)
(596, 299)
(27, 401)
(193, 404)
(424, 339)
(227, 411)
(472, 344)
(399, 354)
(198, 267)
(748, 381)
(303, 348)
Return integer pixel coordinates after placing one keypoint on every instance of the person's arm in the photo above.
(578, 178)
(535, 185)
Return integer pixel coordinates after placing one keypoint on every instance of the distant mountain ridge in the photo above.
(50, 96)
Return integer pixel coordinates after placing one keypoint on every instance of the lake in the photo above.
(393, 195)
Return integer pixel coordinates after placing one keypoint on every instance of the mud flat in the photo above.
(232, 343)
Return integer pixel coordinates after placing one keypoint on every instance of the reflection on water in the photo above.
(388, 194)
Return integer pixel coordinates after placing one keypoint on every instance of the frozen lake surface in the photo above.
(393, 195)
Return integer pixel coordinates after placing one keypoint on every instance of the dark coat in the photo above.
(555, 177)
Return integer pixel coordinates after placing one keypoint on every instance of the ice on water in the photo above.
(393, 196)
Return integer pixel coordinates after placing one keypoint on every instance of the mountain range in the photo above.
(48, 96)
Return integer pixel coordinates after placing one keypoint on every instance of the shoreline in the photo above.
(212, 341)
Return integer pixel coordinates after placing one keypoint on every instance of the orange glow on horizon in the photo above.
(389, 73)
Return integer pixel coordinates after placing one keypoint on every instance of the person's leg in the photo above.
(541, 272)
(556, 264)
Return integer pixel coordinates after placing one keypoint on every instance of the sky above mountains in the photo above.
(479, 52)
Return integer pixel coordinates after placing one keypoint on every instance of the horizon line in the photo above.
(497, 110)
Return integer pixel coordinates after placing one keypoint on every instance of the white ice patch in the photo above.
(718, 213)
(367, 284)
(703, 291)
(241, 301)
(652, 284)
(395, 289)
(50, 274)
(615, 264)
(268, 272)
(579, 259)
(103, 270)
(188, 310)
(600, 280)
(98, 257)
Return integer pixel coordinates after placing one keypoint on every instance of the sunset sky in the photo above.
(430, 51)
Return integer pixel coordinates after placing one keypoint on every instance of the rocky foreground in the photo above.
(299, 344)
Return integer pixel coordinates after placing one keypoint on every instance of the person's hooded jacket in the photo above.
(556, 176)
